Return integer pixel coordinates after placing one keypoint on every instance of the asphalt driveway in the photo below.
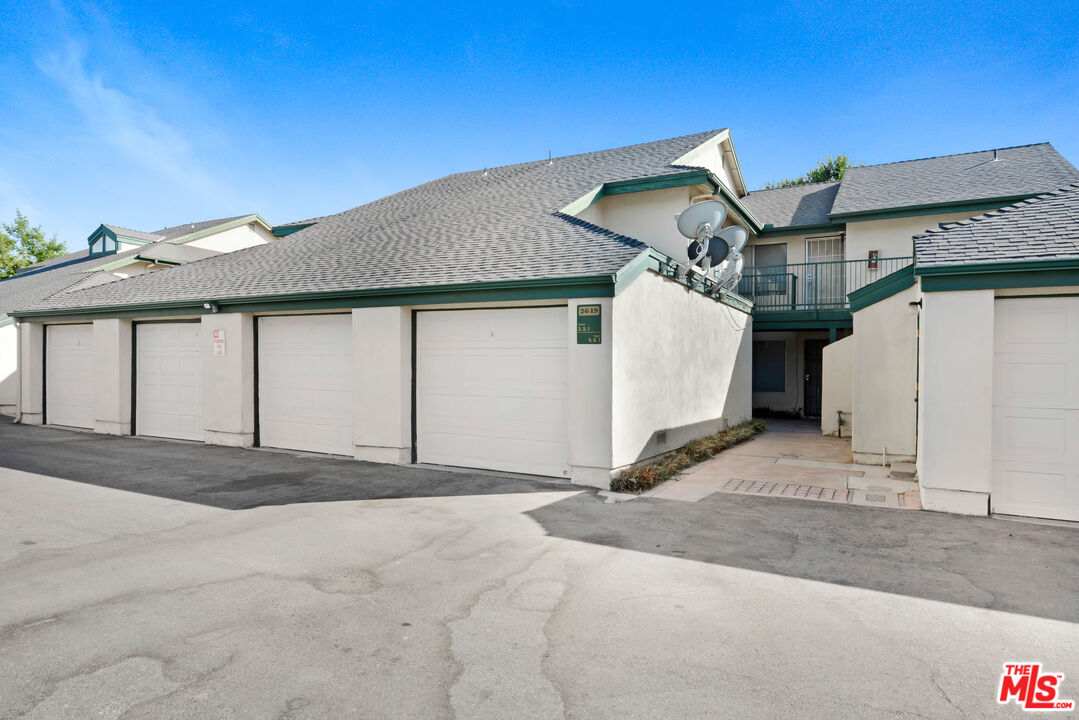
(145, 579)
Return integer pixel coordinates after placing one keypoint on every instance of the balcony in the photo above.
(813, 285)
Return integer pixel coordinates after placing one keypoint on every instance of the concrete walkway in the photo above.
(791, 459)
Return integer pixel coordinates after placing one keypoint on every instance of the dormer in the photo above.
(110, 239)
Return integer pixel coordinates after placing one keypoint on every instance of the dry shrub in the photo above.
(645, 477)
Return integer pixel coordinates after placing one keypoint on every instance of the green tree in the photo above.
(831, 168)
(22, 245)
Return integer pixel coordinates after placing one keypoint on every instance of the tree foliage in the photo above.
(22, 245)
(831, 168)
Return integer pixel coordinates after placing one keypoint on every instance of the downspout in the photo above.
(18, 372)
(917, 305)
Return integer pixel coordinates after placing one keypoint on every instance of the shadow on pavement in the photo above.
(980, 562)
(233, 478)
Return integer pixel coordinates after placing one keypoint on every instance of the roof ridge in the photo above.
(799, 185)
(945, 227)
(200, 222)
(121, 227)
(950, 155)
(708, 133)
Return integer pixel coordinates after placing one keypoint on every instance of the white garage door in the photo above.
(305, 383)
(168, 386)
(491, 389)
(1036, 407)
(69, 375)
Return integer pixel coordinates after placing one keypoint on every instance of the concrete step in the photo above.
(880, 484)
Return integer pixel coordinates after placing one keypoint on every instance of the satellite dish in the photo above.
(735, 236)
(699, 223)
(692, 220)
(718, 251)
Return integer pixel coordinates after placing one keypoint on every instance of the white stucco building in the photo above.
(539, 318)
(530, 318)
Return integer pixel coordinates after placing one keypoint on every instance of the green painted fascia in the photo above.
(932, 208)
(648, 260)
(583, 202)
(661, 182)
(987, 276)
(502, 291)
(884, 288)
(6, 320)
(802, 320)
(238, 222)
(771, 231)
(657, 262)
(283, 230)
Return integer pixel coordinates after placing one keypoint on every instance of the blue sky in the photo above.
(147, 114)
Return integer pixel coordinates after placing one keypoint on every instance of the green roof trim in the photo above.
(283, 230)
(989, 276)
(655, 261)
(688, 178)
(6, 320)
(802, 320)
(238, 222)
(976, 205)
(539, 289)
(887, 286)
(502, 291)
(771, 231)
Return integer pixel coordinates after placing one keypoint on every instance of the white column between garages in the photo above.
(31, 372)
(382, 387)
(589, 415)
(112, 373)
(228, 378)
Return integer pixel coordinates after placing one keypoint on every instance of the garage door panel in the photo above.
(1036, 407)
(69, 375)
(305, 383)
(1030, 488)
(168, 369)
(491, 389)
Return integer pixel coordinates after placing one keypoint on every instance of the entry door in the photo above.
(69, 375)
(168, 380)
(491, 389)
(825, 280)
(305, 383)
(814, 364)
(1036, 407)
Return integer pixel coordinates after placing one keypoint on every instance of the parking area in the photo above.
(147, 579)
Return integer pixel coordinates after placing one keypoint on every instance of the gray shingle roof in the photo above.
(502, 224)
(25, 290)
(44, 264)
(136, 234)
(1023, 170)
(1042, 228)
(171, 253)
(807, 204)
(171, 233)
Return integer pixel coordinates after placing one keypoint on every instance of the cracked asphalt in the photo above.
(145, 579)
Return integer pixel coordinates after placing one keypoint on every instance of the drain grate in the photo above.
(876, 498)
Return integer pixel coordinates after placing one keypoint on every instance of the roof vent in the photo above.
(995, 158)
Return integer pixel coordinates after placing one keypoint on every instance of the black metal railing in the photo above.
(813, 285)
